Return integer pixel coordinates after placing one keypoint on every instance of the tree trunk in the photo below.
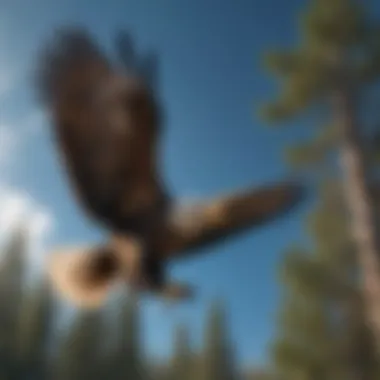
(360, 206)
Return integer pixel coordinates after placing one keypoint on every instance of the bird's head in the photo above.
(83, 275)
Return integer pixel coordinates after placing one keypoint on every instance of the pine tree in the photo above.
(81, 353)
(323, 332)
(260, 375)
(126, 360)
(182, 363)
(338, 56)
(35, 332)
(11, 287)
(217, 362)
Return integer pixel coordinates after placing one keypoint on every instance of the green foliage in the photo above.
(313, 153)
(217, 360)
(322, 330)
(80, 349)
(334, 23)
(90, 348)
(308, 73)
(126, 359)
(260, 375)
(182, 364)
(11, 284)
(34, 332)
(305, 78)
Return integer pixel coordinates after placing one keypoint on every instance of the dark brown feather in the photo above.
(106, 126)
(218, 219)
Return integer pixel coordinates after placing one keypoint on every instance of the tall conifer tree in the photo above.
(326, 75)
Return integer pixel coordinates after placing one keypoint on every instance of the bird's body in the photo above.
(107, 124)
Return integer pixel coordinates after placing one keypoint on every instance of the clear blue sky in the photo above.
(211, 80)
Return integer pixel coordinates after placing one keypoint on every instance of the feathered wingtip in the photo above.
(83, 276)
(125, 49)
(144, 65)
(68, 50)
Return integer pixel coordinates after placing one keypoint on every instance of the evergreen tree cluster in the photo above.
(93, 347)
(328, 321)
(322, 331)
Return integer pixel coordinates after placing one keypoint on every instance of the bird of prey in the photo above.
(107, 122)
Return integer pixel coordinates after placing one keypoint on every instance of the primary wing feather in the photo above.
(105, 124)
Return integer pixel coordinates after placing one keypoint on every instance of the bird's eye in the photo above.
(106, 262)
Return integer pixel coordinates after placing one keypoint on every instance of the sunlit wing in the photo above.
(220, 218)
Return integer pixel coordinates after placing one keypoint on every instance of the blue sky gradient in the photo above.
(211, 80)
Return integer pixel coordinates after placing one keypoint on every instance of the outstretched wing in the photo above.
(105, 123)
(220, 218)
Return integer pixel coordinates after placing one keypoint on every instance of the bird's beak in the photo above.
(82, 275)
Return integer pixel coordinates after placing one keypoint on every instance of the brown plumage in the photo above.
(107, 124)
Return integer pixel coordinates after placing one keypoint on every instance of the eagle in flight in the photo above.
(107, 122)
